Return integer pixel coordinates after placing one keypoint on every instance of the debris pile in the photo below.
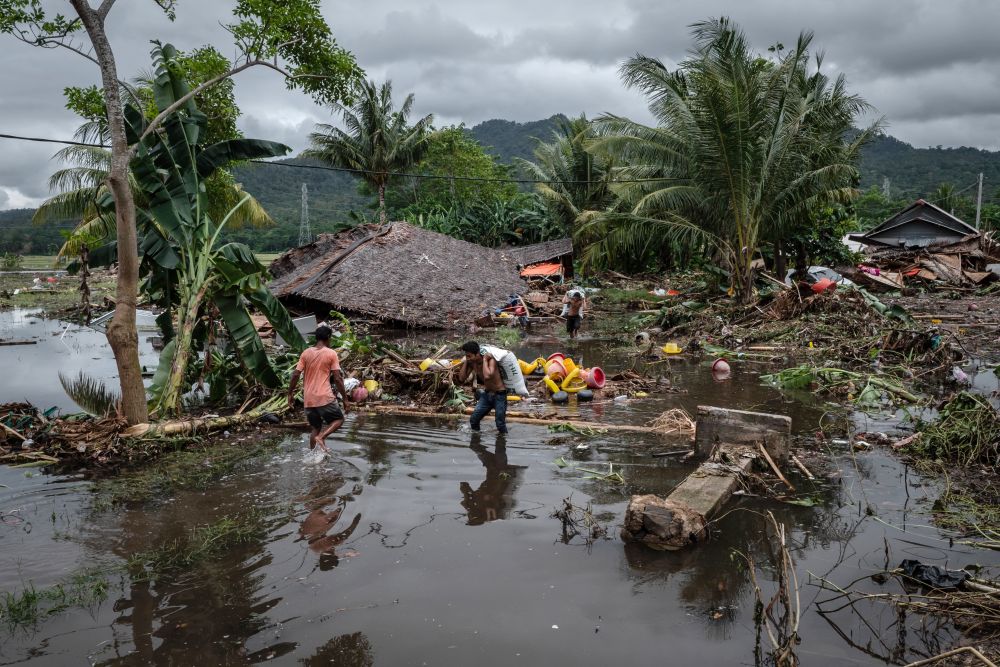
(961, 264)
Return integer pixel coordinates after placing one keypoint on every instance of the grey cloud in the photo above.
(930, 67)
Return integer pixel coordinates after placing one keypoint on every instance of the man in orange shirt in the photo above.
(322, 411)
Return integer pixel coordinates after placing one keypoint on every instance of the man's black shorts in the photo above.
(573, 323)
(325, 414)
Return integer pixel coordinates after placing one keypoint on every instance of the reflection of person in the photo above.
(495, 496)
(494, 394)
(317, 364)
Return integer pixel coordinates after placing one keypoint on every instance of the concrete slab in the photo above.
(717, 426)
(708, 488)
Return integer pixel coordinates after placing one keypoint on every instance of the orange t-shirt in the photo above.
(316, 363)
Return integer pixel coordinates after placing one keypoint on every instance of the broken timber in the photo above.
(729, 439)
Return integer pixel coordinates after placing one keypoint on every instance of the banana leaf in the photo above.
(245, 338)
(265, 302)
(219, 155)
(236, 261)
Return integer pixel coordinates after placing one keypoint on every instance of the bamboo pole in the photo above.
(801, 466)
(770, 462)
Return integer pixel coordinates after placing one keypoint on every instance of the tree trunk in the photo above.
(780, 261)
(122, 334)
(381, 203)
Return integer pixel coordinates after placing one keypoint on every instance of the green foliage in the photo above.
(966, 432)
(451, 152)
(519, 220)
(509, 140)
(378, 139)
(26, 607)
(200, 544)
(11, 261)
(294, 32)
(743, 149)
(578, 182)
(190, 469)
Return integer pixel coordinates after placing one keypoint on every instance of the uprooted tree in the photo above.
(289, 36)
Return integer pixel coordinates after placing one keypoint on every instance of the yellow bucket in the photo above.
(371, 385)
(671, 348)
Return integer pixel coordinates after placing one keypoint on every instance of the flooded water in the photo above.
(421, 543)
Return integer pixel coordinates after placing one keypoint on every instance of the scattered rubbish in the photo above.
(671, 348)
(933, 576)
(960, 376)
(721, 366)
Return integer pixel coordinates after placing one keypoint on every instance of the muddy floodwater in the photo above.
(421, 543)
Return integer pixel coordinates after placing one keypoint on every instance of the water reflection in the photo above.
(353, 650)
(494, 499)
(326, 508)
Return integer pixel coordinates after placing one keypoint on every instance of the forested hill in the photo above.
(507, 139)
(912, 172)
(915, 172)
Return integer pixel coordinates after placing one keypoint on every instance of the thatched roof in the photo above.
(541, 252)
(399, 273)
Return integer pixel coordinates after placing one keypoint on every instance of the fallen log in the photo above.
(514, 417)
(276, 405)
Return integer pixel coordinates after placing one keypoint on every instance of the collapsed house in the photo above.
(548, 262)
(398, 273)
(924, 243)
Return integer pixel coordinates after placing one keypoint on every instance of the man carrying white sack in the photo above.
(497, 371)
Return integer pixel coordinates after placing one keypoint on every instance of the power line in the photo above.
(51, 141)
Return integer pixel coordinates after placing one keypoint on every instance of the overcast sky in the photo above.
(930, 67)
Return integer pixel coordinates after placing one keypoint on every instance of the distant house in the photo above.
(397, 273)
(920, 225)
(551, 258)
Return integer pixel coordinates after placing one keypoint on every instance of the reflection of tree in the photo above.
(495, 496)
(353, 650)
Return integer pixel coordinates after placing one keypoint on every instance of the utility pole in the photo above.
(885, 187)
(305, 233)
(979, 200)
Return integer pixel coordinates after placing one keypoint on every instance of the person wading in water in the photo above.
(317, 363)
(493, 396)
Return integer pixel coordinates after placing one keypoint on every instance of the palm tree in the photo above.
(575, 180)
(377, 142)
(743, 148)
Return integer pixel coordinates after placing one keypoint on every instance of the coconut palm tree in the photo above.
(575, 180)
(377, 141)
(743, 148)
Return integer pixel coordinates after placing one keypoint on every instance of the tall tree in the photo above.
(378, 140)
(289, 36)
(575, 180)
(741, 148)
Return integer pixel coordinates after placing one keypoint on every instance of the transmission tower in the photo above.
(305, 233)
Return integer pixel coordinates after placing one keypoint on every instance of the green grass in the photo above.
(28, 606)
(200, 544)
(266, 258)
(188, 469)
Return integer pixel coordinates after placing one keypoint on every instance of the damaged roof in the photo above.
(397, 272)
(541, 252)
(919, 225)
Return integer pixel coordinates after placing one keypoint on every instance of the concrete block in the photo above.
(715, 426)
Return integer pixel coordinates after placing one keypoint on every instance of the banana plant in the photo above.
(185, 266)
